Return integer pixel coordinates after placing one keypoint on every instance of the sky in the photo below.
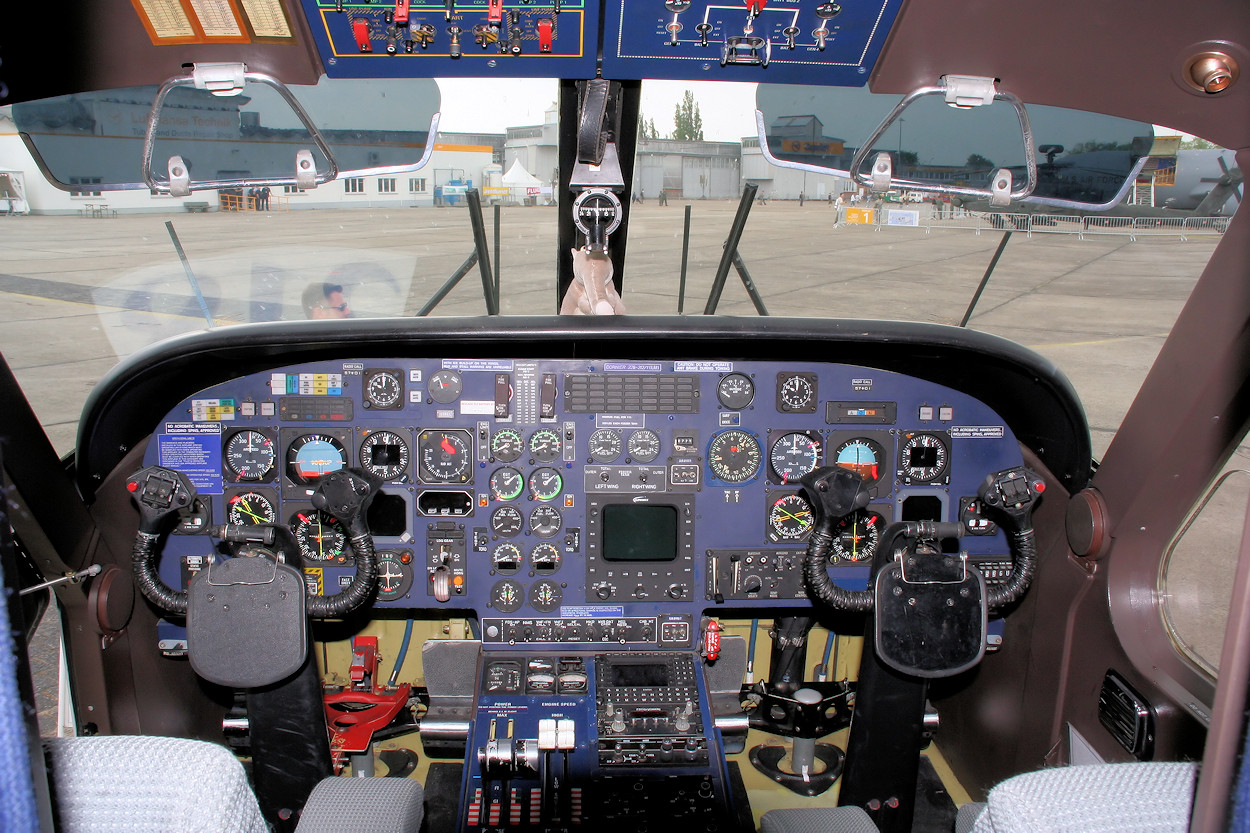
(728, 109)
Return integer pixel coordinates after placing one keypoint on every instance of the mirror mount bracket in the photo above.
(966, 91)
(219, 78)
(882, 173)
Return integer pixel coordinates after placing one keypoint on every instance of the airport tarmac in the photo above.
(81, 293)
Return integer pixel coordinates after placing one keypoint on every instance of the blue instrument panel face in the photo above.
(779, 41)
(470, 38)
(581, 501)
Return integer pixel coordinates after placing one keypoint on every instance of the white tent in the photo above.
(518, 177)
(13, 193)
(521, 183)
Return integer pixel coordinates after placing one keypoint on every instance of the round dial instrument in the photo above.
(249, 509)
(506, 483)
(794, 455)
(394, 575)
(545, 596)
(546, 483)
(644, 445)
(923, 457)
(383, 389)
(320, 536)
(856, 536)
(446, 456)
(735, 391)
(312, 456)
(734, 456)
(384, 454)
(604, 445)
(445, 386)
(796, 392)
(506, 521)
(545, 445)
(249, 456)
(507, 596)
(506, 445)
(545, 559)
(545, 521)
(861, 455)
(506, 558)
(790, 517)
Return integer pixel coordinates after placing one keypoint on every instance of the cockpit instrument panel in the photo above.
(580, 501)
(809, 41)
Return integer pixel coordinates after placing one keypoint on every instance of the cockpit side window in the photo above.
(1196, 575)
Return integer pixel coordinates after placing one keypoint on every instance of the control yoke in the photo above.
(930, 606)
(246, 616)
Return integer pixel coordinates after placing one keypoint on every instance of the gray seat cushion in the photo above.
(364, 805)
(1102, 798)
(817, 820)
(139, 784)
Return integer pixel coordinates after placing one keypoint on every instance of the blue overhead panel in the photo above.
(779, 41)
(455, 38)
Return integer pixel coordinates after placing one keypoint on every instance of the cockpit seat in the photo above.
(143, 784)
(146, 784)
(1099, 798)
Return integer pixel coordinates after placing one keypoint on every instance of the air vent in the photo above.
(1127, 716)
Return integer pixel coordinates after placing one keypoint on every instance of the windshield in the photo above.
(92, 276)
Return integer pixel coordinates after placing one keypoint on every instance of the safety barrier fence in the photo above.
(1082, 226)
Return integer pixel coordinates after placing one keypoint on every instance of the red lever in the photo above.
(360, 28)
(546, 32)
(401, 11)
(494, 13)
(755, 6)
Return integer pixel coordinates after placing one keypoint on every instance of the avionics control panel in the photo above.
(580, 502)
(782, 41)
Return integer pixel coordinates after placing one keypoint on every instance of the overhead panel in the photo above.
(455, 38)
(781, 41)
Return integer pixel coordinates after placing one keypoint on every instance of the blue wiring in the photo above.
(403, 652)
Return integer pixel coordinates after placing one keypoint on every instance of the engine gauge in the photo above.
(794, 455)
(923, 457)
(506, 521)
(545, 559)
(507, 596)
(546, 483)
(506, 558)
(856, 536)
(446, 456)
(249, 456)
(604, 445)
(445, 386)
(506, 483)
(796, 393)
(506, 445)
(249, 509)
(312, 456)
(734, 456)
(545, 445)
(320, 536)
(735, 391)
(383, 389)
(394, 575)
(384, 454)
(790, 518)
(644, 445)
(862, 456)
(545, 521)
(545, 596)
